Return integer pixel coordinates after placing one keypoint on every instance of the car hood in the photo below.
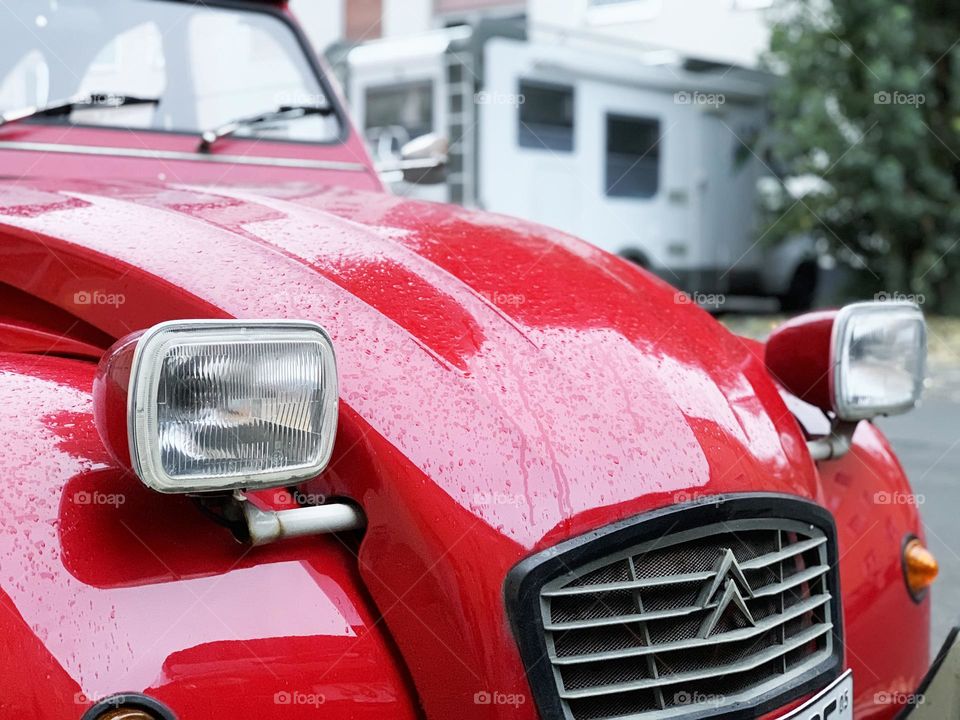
(504, 386)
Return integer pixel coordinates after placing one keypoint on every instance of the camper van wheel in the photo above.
(803, 287)
(636, 257)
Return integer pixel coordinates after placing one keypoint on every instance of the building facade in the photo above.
(726, 31)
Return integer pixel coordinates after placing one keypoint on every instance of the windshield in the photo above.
(206, 65)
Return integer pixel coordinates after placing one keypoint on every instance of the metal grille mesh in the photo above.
(718, 615)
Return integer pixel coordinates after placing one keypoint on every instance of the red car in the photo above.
(276, 444)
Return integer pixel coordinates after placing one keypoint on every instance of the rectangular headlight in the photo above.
(225, 404)
(880, 355)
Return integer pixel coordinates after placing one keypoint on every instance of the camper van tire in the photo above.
(637, 257)
(802, 289)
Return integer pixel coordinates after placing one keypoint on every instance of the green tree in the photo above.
(867, 119)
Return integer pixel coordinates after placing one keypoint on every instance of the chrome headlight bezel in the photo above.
(842, 379)
(142, 408)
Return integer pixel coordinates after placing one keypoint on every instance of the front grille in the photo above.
(704, 616)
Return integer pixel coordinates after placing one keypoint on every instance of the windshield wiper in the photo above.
(284, 112)
(65, 107)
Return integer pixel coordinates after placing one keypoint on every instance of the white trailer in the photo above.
(647, 155)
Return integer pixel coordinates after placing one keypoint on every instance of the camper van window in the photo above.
(399, 113)
(633, 156)
(546, 116)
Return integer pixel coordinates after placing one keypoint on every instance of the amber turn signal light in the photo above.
(919, 567)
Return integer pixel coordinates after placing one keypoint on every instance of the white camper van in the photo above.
(642, 153)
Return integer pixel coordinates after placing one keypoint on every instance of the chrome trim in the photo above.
(267, 526)
(714, 671)
(103, 151)
(793, 612)
(654, 675)
(142, 404)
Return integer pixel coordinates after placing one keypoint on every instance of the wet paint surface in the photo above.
(108, 587)
(503, 386)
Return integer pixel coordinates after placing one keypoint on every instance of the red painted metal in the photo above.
(107, 586)
(799, 356)
(875, 509)
(504, 387)
(27, 324)
(110, 389)
(27, 339)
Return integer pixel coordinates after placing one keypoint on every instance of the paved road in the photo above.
(927, 441)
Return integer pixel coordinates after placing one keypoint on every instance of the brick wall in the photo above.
(364, 19)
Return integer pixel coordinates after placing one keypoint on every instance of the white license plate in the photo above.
(833, 703)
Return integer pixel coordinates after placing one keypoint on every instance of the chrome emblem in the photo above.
(735, 588)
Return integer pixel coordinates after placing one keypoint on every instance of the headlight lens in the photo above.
(880, 353)
(217, 405)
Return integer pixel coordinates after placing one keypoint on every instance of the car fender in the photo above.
(887, 632)
(504, 387)
(108, 587)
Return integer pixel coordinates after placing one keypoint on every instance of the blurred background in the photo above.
(764, 156)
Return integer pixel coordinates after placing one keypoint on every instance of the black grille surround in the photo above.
(555, 629)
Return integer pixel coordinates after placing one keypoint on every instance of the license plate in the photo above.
(832, 703)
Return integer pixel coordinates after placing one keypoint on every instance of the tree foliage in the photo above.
(867, 119)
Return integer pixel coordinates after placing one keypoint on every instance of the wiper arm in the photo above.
(65, 107)
(285, 112)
